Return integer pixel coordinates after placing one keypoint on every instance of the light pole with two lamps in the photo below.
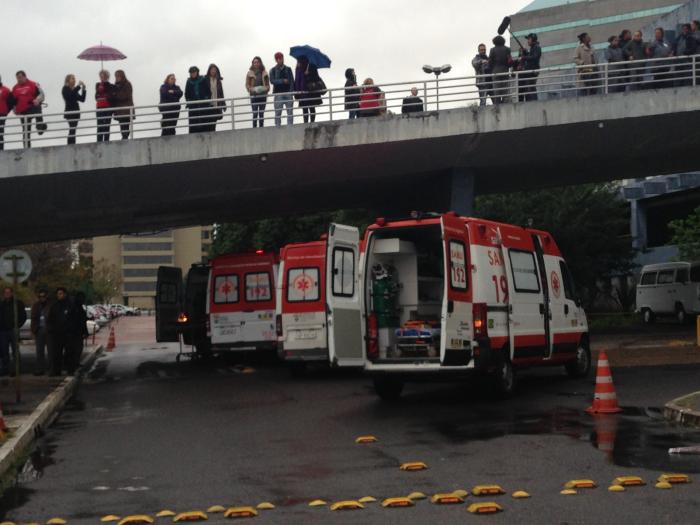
(437, 71)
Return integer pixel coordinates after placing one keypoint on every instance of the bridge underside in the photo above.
(387, 177)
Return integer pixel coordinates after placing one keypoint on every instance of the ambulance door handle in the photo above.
(566, 309)
(450, 306)
(542, 308)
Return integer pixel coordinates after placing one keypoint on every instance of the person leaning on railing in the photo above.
(170, 95)
(197, 95)
(28, 97)
(585, 59)
(371, 99)
(103, 104)
(7, 102)
(72, 96)
(635, 50)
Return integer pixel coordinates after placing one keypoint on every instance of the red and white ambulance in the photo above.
(433, 294)
(237, 303)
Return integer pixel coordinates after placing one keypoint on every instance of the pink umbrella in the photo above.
(101, 53)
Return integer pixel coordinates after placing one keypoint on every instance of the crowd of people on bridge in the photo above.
(59, 326)
(615, 72)
(499, 77)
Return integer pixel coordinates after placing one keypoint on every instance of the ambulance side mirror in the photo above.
(578, 302)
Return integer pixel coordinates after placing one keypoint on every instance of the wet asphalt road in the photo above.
(146, 433)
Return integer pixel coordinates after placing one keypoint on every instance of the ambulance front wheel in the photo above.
(504, 378)
(581, 366)
(388, 388)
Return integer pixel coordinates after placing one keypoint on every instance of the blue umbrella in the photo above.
(314, 55)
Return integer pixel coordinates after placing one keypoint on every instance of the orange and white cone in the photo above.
(604, 397)
(111, 342)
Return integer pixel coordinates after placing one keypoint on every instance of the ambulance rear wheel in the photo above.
(388, 388)
(581, 366)
(504, 379)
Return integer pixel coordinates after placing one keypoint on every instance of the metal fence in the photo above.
(332, 104)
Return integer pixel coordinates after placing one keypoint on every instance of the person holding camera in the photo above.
(73, 93)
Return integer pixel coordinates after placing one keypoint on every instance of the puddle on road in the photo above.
(16, 492)
(639, 437)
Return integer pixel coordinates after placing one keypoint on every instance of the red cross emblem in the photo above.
(303, 283)
(556, 285)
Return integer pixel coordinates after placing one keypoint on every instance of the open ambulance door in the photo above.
(527, 308)
(457, 312)
(344, 316)
(168, 303)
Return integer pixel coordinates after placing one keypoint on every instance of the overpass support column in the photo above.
(462, 191)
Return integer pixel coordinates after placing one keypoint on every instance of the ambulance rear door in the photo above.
(168, 303)
(345, 342)
(456, 319)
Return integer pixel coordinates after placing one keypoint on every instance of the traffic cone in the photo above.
(604, 397)
(111, 343)
(3, 426)
(605, 433)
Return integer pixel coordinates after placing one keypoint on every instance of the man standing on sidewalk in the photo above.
(39, 317)
(58, 330)
(8, 336)
(282, 80)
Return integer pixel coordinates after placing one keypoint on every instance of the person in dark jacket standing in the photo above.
(482, 70)
(412, 104)
(72, 95)
(635, 51)
(216, 88)
(197, 95)
(282, 80)
(7, 102)
(76, 333)
(8, 336)
(170, 95)
(306, 82)
(39, 327)
(103, 105)
(352, 94)
(660, 69)
(123, 102)
(530, 66)
(685, 46)
(57, 326)
(500, 62)
(615, 58)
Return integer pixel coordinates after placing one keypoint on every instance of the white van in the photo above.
(669, 289)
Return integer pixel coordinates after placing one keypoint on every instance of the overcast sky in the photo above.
(388, 40)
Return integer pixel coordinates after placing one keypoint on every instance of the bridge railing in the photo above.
(435, 94)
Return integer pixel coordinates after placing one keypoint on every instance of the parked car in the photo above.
(669, 289)
(25, 331)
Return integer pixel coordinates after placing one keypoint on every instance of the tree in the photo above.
(272, 234)
(686, 234)
(590, 223)
(106, 281)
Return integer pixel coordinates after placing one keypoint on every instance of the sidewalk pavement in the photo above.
(42, 397)
(684, 410)
(642, 350)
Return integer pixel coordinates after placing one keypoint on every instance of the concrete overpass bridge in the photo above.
(432, 160)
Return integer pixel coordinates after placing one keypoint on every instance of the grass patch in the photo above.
(612, 321)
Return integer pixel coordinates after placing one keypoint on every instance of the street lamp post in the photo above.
(437, 71)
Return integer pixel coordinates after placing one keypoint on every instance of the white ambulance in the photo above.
(438, 294)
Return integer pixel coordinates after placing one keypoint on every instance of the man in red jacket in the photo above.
(6, 104)
(28, 98)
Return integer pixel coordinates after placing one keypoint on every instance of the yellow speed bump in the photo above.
(397, 502)
(488, 507)
(413, 466)
(663, 485)
(616, 488)
(487, 490)
(216, 508)
(193, 515)
(56, 521)
(318, 503)
(350, 504)
(520, 494)
(8, 523)
(461, 493)
(367, 499)
(674, 478)
(165, 514)
(416, 495)
(447, 499)
(366, 439)
(240, 512)
(134, 519)
(265, 505)
(109, 518)
(568, 492)
(580, 484)
(628, 481)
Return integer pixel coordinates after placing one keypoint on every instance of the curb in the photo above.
(43, 415)
(677, 412)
